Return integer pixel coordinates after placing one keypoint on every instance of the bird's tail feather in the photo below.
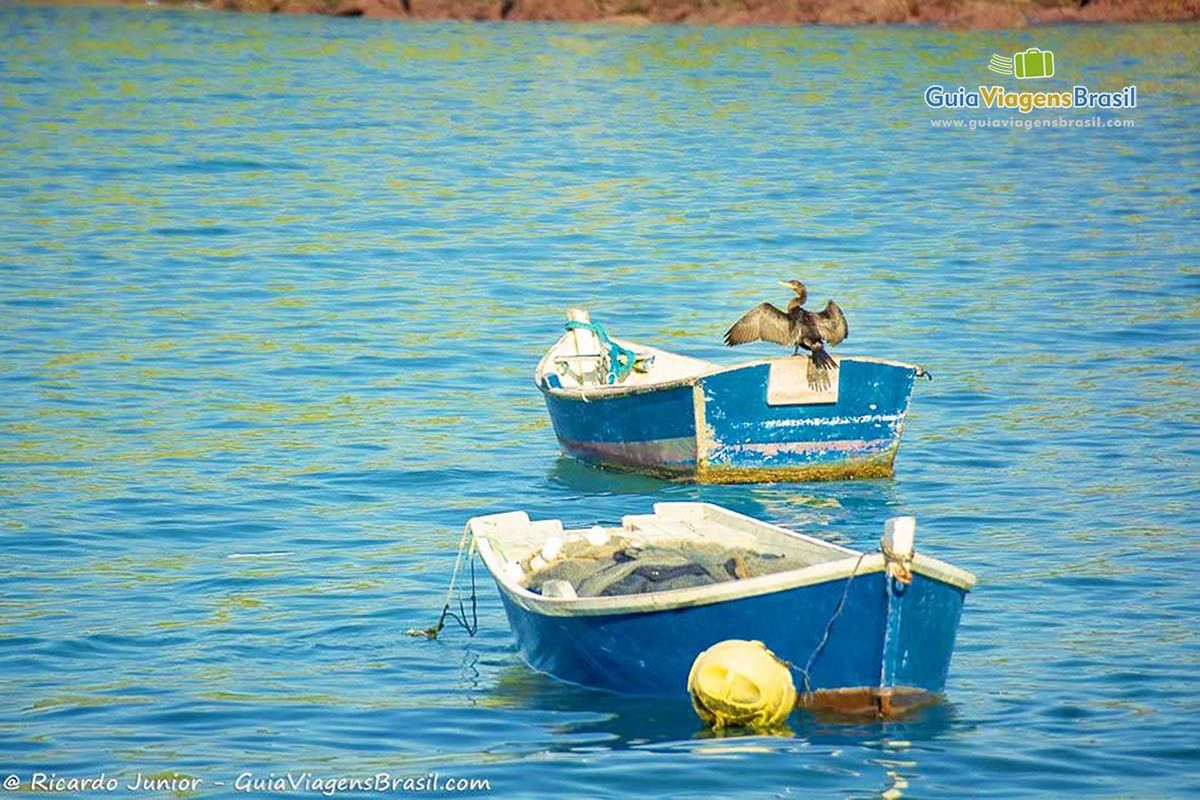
(819, 365)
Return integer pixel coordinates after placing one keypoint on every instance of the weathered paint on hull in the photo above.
(654, 429)
(671, 458)
(876, 467)
(720, 429)
(649, 459)
(890, 641)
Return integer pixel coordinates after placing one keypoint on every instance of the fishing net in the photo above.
(622, 567)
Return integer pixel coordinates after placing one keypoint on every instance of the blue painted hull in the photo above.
(889, 636)
(719, 427)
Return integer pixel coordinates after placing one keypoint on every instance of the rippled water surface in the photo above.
(271, 294)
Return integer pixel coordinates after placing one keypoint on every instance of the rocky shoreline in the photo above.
(948, 13)
(963, 14)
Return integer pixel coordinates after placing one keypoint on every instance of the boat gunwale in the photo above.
(854, 564)
(587, 394)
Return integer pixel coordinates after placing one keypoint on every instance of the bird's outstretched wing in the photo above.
(831, 324)
(765, 322)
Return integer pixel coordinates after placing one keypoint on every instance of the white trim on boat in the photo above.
(601, 392)
(490, 531)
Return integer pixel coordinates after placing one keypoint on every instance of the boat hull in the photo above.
(721, 427)
(889, 639)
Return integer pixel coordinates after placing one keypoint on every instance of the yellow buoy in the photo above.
(741, 684)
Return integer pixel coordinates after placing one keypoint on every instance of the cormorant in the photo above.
(797, 327)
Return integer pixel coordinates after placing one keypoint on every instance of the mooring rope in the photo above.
(461, 617)
(837, 612)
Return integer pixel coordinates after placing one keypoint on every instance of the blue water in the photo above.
(271, 294)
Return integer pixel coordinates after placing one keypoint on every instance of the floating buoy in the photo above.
(741, 684)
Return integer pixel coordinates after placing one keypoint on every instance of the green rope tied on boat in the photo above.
(619, 359)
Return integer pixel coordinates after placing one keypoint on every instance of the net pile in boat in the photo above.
(622, 567)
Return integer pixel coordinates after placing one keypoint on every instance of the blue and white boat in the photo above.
(867, 631)
(616, 403)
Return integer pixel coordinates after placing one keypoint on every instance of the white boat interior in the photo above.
(515, 549)
(516, 539)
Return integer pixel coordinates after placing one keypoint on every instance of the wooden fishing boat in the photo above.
(620, 404)
(863, 631)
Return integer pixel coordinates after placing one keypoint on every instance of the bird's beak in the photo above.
(788, 284)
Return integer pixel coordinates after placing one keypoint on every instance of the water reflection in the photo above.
(588, 481)
(621, 722)
(848, 512)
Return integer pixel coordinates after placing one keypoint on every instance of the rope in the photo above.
(837, 612)
(618, 360)
(461, 617)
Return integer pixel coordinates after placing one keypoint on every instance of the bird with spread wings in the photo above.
(797, 327)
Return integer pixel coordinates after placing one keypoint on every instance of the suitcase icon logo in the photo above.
(1033, 63)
